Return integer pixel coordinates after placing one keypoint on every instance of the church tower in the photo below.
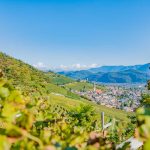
(94, 87)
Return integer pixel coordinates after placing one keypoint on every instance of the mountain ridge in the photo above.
(112, 74)
(143, 68)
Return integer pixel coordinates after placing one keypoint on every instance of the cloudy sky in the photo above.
(76, 34)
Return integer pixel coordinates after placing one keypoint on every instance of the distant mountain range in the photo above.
(113, 74)
(142, 68)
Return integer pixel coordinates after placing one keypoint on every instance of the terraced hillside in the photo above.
(30, 80)
(37, 84)
(71, 103)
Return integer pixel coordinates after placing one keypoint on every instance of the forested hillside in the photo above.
(142, 68)
(112, 74)
(30, 80)
(127, 76)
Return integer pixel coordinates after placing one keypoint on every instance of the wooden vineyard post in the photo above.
(104, 126)
(134, 143)
(102, 120)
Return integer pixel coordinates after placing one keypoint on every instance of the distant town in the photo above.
(121, 96)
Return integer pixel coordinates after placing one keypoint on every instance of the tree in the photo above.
(143, 120)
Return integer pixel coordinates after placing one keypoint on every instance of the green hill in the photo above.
(38, 84)
(58, 79)
(30, 80)
(71, 84)
(82, 74)
(83, 86)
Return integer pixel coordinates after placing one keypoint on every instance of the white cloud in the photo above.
(63, 67)
(78, 66)
(93, 65)
(74, 67)
(40, 65)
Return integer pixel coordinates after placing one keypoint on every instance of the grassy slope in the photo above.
(59, 79)
(36, 83)
(29, 79)
(79, 86)
(70, 103)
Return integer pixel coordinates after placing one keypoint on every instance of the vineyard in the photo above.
(31, 124)
(27, 124)
(36, 113)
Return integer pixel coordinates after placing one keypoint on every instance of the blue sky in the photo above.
(76, 33)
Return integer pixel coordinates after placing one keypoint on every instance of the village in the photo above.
(115, 96)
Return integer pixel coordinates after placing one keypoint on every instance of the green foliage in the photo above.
(84, 115)
(45, 125)
(143, 117)
(70, 103)
(145, 99)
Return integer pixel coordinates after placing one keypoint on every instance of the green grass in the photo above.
(80, 86)
(59, 79)
(69, 103)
